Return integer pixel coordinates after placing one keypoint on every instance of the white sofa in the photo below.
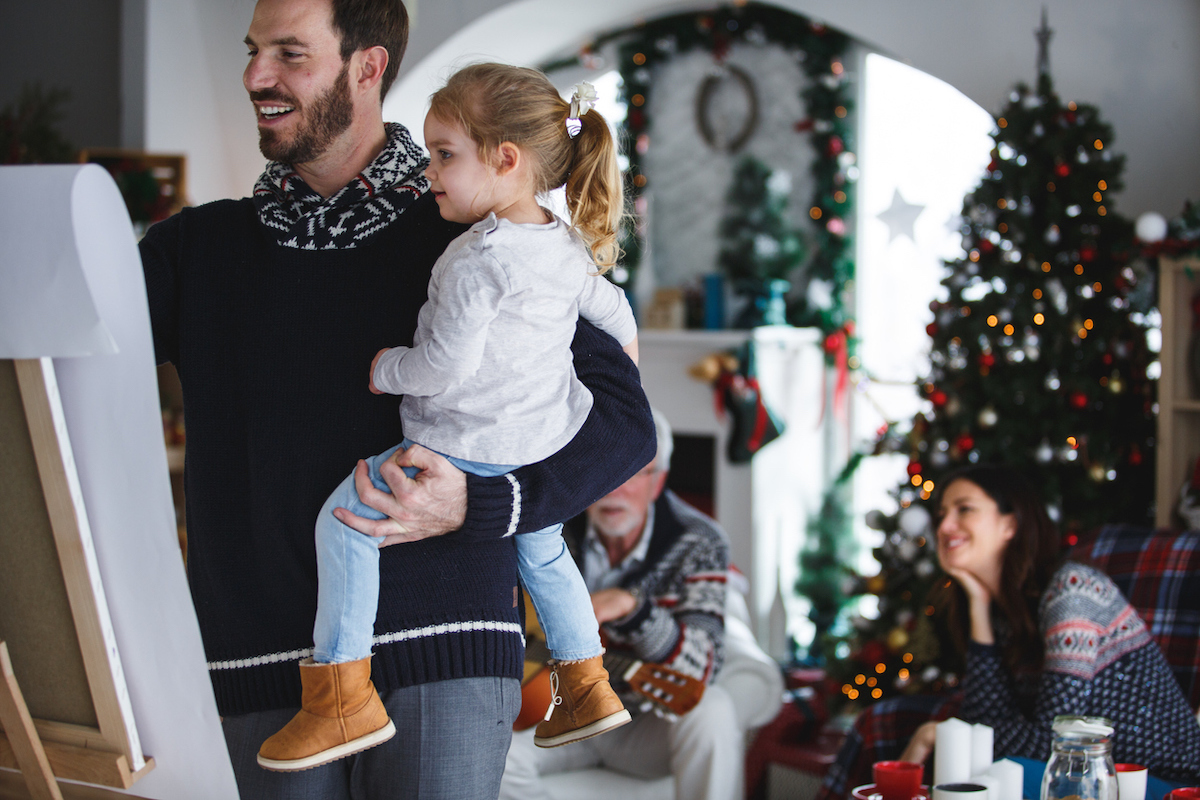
(751, 677)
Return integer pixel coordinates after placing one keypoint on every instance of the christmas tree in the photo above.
(1038, 360)
(758, 243)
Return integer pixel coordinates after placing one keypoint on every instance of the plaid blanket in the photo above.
(1157, 571)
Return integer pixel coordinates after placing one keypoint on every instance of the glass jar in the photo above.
(1081, 763)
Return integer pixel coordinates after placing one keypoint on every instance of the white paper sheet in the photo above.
(46, 306)
(110, 401)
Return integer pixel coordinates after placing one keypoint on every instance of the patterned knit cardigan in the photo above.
(680, 620)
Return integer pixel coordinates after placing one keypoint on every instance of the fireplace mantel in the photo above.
(764, 506)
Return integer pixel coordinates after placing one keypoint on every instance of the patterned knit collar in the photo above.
(377, 196)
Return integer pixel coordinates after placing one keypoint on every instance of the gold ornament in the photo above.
(876, 584)
(1097, 472)
(709, 368)
(897, 639)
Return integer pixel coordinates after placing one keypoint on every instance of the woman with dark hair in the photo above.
(1042, 636)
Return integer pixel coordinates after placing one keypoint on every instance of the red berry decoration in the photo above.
(987, 360)
(938, 398)
(1087, 253)
(835, 146)
(1079, 400)
(964, 442)
(1062, 170)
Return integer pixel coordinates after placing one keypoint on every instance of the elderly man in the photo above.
(656, 569)
(271, 309)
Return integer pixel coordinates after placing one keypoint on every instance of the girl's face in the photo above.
(972, 533)
(461, 183)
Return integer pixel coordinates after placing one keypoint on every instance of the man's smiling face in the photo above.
(296, 79)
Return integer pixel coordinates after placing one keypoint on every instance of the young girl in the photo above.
(489, 382)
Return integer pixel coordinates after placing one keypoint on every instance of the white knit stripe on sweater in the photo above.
(516, 506)
(386, 638)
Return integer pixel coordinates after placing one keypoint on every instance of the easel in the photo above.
(23, 737)
(93, 595)
(100, 754)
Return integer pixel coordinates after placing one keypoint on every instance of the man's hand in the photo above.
(920, 746)
(431, 504)
(610, 604)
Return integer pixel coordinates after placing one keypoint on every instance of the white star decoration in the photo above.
(900, 217)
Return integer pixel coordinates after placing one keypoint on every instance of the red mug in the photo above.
(1184, 793)
(899, 780)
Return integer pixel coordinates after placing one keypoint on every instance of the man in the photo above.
(271, 309)
(656, 568)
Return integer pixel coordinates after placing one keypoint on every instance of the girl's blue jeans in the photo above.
(348, 577)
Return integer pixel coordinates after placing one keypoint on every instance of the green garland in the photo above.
(820, 51)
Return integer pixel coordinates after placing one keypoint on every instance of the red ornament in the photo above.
(805, 125)
(1135, 458)
(835, 146)
(993, 165)
(1087, 253)
(964, 442)
(986, 246)
(1062, 170)
(987, 360)
(938, 398)
(914, 468)
(720, 47)
(931, 329)
(872, 652)
(1079, 400)
(1107, 359)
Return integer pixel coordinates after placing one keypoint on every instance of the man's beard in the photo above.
(327, 117)
(626, 523)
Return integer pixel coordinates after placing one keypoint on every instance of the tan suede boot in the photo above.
(340, 714)
(583, 704)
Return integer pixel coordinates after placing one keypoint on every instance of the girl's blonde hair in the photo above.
(496, 103)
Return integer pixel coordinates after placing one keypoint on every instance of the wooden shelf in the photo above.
(1178, 407)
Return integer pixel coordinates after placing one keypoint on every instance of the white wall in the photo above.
(1137, 61)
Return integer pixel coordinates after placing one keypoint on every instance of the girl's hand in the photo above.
(375, 361)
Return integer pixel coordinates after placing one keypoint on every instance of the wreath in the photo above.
(820, 52)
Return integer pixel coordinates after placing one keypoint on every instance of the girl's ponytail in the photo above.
(496, 103)
(595, 194)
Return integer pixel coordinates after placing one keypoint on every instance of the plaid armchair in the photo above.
(1158, 571)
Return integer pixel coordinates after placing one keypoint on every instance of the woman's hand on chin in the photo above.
(980, 599)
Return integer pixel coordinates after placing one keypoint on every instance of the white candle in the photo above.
(981, 748)
(990, 781)
(1011, 776)
(952, 752)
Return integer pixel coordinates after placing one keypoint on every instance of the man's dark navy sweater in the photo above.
(273, 347)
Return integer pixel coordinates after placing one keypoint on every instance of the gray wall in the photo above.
(70, 44)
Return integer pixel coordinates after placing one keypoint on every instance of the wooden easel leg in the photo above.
(26, 745)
